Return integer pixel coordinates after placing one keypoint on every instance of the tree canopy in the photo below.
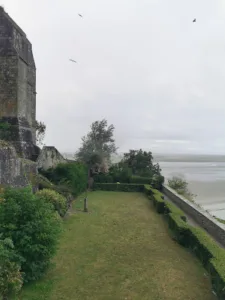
(98, 145)
(141, 163)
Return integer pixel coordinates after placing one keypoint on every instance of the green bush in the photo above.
(122, 175)
(73, 176)
(148, 190)
(119, 187)
(103, 178)
(58, 201)
(171, 208)
(11, 279)
(33, 226)
(205, 248)
(157, 181)
(216, 269)
(196, 239)
(140, 180)
(158, 201)
(180, 185)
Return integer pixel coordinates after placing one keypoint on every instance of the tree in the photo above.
(40, 132)
(141, 163)
(96, 149)
(11, 279)
(33, 226)
(98, 146)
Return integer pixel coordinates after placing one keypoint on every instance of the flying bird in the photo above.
(73, 60)
(194, 20)
(80, 15)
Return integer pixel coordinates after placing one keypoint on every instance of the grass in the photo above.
(121, 249)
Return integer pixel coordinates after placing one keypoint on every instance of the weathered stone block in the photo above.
(17, 86)
(15, 171)
(49, 158)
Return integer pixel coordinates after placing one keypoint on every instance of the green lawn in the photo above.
(121, 249)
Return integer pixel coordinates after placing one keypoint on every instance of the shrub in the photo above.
(10, 276)
(58, 201)
(180, 185)
(140, 180)
(103, 178)
(119, 187)
(157, 181)
(148, 190)
(33, 226)
(171, 208)
(122, 175)
(71, 175)
(196, 239)
(179, 229)
(158, 201)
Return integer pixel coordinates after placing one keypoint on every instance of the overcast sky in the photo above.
(143, 65)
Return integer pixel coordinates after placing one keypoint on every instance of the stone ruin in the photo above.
(19, 156)
(17, 89)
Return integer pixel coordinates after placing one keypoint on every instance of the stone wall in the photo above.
(49, 158)
(14, 171)
(200, 216)
(17, 86)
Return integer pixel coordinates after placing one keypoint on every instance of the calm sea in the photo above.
(205, 175)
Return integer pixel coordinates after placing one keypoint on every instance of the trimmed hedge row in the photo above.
(211, 255)
(140, 180)
(113, 178)
(197, 240)
(119, 187)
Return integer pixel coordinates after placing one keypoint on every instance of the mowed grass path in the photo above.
(121, 249)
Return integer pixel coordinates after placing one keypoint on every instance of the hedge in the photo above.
(113, 178)
(119, 187)
(140, 180)
(211, 255)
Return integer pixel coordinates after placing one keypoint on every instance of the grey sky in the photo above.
(143, 65)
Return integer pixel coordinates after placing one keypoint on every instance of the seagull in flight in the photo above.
(194, 20)
(73, 60)
(80, 15)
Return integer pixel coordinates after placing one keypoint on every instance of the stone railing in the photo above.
(199, 215)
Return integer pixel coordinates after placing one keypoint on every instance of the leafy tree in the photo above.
(98, 144)
(96, 150)
(180, 185)
(141, 163)
(33, 226)
(97, 147)
(11, 279)
(40, 132)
